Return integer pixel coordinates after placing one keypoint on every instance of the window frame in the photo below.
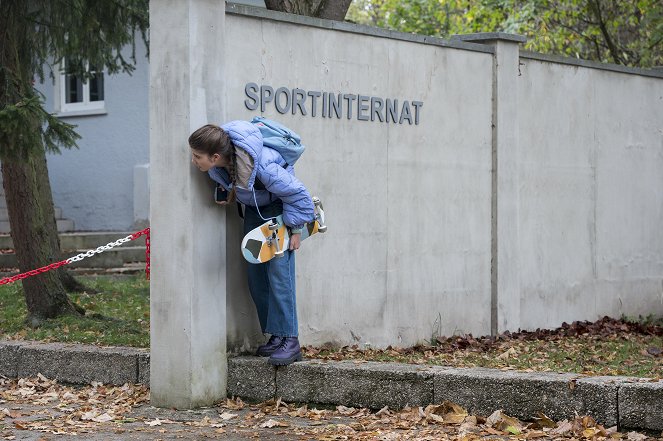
(85, 107)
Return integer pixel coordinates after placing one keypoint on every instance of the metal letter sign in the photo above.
(329, 105)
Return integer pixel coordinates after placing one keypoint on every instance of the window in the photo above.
(78, 96)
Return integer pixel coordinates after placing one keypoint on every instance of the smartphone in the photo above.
(220, 194)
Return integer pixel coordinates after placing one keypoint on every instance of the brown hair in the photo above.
(211, 139)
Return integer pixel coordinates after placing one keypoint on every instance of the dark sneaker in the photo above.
(268, 348)
(288, 352)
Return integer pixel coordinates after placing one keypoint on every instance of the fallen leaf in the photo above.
(511, 352)
(504, 422)
(383, 411)
(225, 416)
(635, 436)
(654, 351)
(20, 425)
(346, 410)
(89, 415)
(103, 418)
(468, 426)
(156, 422)
(563, 427)
(513, 430)
(273, 423)
(542, 421)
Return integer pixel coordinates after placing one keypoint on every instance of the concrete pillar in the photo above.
(188, 366)
(505, 271)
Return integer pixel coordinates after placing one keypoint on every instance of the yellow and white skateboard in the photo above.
(272, 238)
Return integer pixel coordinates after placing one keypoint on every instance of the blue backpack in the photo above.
(280, 138)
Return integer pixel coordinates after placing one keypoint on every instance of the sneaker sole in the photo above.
(286, 361)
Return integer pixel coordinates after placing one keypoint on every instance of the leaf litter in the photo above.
(52, 408)
(605, 347)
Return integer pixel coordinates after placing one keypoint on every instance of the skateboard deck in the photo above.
(272, 238)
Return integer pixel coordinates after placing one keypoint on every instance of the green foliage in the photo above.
(17, 128)
(39, 33)
(628, 33)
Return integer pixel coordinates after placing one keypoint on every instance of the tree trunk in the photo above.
(334, 9)
(328, 9)
(34, 237)
(46, 198)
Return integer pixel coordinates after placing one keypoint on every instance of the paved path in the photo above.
(39, 409)
(50, 422)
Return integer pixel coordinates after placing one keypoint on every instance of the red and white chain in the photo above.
(101, 249)
(89, 253)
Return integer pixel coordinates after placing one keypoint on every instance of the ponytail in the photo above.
(232, 171)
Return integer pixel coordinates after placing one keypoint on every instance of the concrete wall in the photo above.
(408, 251)
(418, 222)
(591, 198)
(94, 184)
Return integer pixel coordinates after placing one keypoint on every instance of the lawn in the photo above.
(118, 309)
(117, 314)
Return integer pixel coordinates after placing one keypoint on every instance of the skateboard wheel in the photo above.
(273, 227)
(279, 254)
(322, 228)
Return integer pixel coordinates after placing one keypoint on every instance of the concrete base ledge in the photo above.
(641, 404)
(631, 403)
(524, 395)
(370, 384)
(72, 363)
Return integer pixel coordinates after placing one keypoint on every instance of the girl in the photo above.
(233, 155)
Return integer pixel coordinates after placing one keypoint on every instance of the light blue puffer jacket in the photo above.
(279, 182)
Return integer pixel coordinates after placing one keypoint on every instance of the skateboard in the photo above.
(272, 238)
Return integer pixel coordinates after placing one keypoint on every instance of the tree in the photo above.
(628, 33)
(34, 34)
(328, 9)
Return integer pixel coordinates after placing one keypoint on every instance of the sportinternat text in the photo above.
(330, 104)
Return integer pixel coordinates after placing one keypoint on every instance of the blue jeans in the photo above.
(272, 284)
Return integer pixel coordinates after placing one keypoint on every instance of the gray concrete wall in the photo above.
(591, 199)
(417, 222)
(94, 184)
(408, 251)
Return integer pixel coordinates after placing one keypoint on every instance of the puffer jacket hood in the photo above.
(273, 172)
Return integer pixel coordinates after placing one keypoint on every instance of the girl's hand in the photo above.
(295, 241)
(222, 202)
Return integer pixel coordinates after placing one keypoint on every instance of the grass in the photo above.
(118, 315)
(625, 354)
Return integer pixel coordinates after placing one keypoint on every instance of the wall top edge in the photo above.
(654, 73)
(490, 36)
(262, 13)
